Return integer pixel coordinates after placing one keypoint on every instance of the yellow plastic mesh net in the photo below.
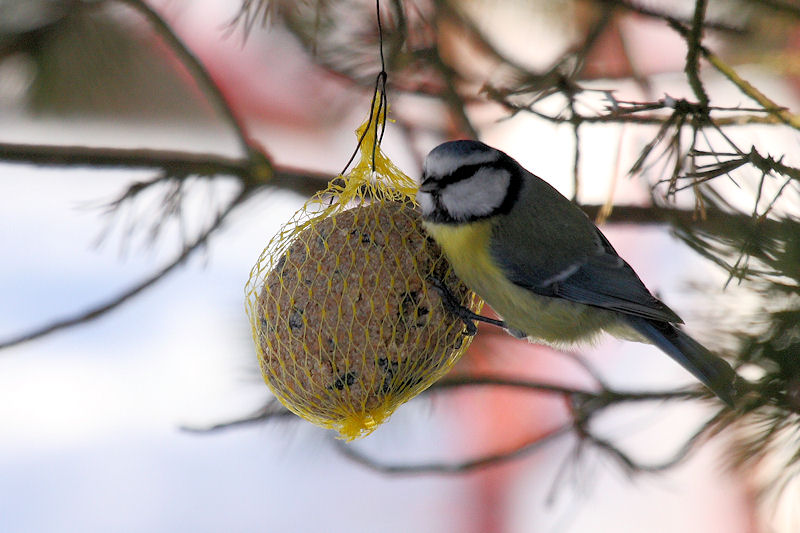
(345, 318)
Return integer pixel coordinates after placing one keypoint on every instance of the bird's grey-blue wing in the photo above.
(607, 281)
(571, 260)
(551, 248)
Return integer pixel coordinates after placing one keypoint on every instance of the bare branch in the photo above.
(585, 404)
(694, 42)
(101, 309)
(171, 162)
(598, 399)
(649, 11)
(352, 452)
(255, 171)
(196, 69)
(451, 95)
(270, 412)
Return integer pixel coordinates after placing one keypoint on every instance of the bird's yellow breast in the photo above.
(467, 248)
(552, 320)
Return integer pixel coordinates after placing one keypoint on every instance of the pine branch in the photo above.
(747, 88)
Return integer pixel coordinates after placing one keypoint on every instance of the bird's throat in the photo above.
(466, 247)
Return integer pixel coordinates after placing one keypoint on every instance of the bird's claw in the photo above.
(452, 305)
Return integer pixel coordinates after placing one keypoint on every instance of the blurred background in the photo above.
(149, 151)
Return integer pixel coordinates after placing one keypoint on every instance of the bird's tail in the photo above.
(713, 371)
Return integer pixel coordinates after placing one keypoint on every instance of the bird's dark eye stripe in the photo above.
(467, 171)
(512, 194)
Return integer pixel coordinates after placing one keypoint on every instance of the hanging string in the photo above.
(379, 91)
(380, 83)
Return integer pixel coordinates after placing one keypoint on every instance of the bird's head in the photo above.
(464, 181)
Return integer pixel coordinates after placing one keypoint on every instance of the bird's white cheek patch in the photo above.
(478, 196)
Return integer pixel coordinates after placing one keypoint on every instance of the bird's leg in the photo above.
(452, 305)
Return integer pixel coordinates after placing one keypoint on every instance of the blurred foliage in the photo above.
(91, 59)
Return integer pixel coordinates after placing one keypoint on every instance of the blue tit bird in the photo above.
(541, 264)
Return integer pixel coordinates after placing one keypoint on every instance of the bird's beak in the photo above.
(427, 185)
